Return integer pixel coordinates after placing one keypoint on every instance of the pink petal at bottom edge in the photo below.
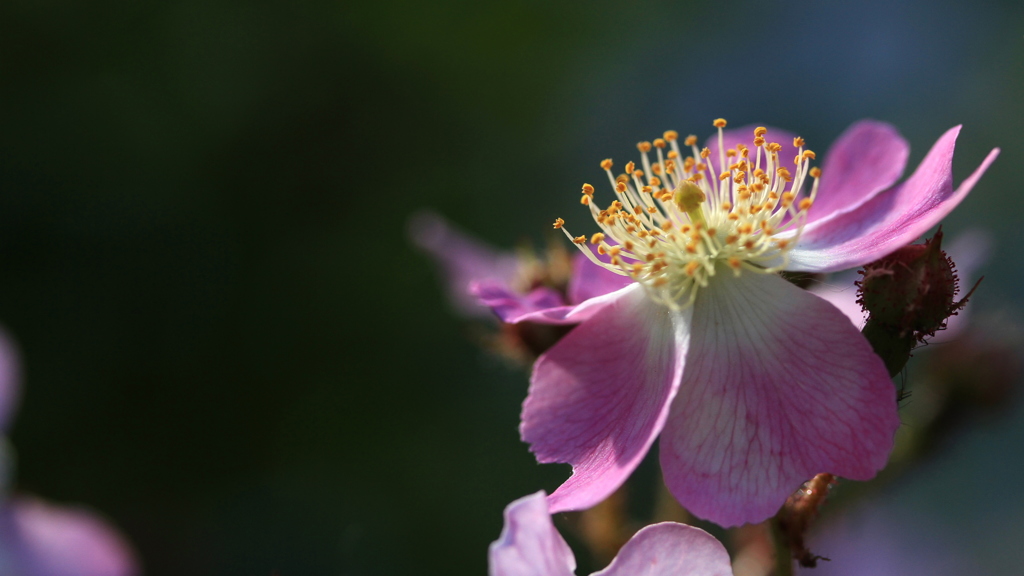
(599, 397)
(529, 544)
(778, 386)
(670, 549)
(56, 541)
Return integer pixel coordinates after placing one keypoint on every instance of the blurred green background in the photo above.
(231, 348)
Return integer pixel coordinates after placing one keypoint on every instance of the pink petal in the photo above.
(867, 158)
(670, 549)
(539, 306)
(463, 259)
(590, 280)
(599, 397)
(889, 220)
(53, 541)
(529, 544)
(841, 292)
(779, 387)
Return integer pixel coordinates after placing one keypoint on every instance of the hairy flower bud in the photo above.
(908, 295)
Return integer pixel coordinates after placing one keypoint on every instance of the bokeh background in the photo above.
(231, 348)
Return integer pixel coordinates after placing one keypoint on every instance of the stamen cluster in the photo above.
(678, 221)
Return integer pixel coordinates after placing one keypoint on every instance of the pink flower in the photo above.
(753, 384)
(531, 546)
(37, 538)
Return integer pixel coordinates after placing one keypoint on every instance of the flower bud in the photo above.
(908, 295)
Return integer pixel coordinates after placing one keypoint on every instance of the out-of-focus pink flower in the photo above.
(483, 280)
(531, 546)
(40, 539)
(753, 384)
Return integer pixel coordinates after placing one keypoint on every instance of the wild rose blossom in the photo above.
(531, 546)
(753, 384)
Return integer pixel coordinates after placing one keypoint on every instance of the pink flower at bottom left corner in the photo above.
(41, 539)
(531, 546)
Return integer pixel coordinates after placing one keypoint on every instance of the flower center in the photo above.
(678, 221)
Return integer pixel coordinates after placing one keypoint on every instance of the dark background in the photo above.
(231, 348)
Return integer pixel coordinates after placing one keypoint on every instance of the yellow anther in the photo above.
(585, 200)
(691, 248)
(597, 238)
(805, 204)
(704, 153)
(815, 172)
(720, 123)
(628, 245)
(655, 181)
(671, 135)
(731, 153)
(760, 131)
(739, 177)
(630, 166)
(672, 154)
(798, 142)
(638, 173)
(620, 187)
(600, 250)
(726, 206)
(606, 163)
(646, 189)
(723, 176)
(659, 143)
(784, 174)
(649, 258)
(643, 146)
(734, 263)
(660, 282)
(637, 268)
(559, 223)
(745, 228)
(810, 155)
(614, 250)
(588, 189)
(773, 147)
(643, 234)
(636, 210)
(734, 216)
(652, 210)
(758, 141)
(692, 267)
(782, 244)
(690, 140)
(579, 239)
(656, 168)
(622, 178)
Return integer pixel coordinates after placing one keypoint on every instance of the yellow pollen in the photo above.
(646, 189)
(810, 155)
(758, 141)
(815, 172)
(704, 153)
(559, 223)
(773, 147)
(585, 200)
(606, 163)
(659, 143)
(671, 135)
(691, 140)
(731, 152)
(630, 166)
(784, 174)
(723, 176)
(655, 181)
(579, 239)
(620, 187)
(720, 123)
(672, 154)
(597, 238)
(805, 204)
(798, 142)
(760, 131)
(643, 146)
(588, 189)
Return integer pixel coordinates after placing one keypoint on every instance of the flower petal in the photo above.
(529, 544)
(779, 387)
(514, 308)
(670, 549)
(59, 541)
(891, 219)
(599, 397)
(867, 158)
(590, 280)
(463, 259)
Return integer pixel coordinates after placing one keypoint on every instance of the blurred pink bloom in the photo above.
(39, 539)
(531, 546)
(753, 384)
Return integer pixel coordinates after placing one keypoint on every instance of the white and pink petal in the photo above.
(599, 397)
(779, 386)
